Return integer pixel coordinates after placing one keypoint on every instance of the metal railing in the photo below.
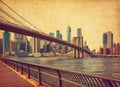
(51, 77)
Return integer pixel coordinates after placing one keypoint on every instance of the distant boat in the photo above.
(36, 54)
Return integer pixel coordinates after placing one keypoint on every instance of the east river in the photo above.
(109, 67)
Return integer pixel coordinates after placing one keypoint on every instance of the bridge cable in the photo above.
(4, 19)
(22, 17)
(13, 18)
(18, 15)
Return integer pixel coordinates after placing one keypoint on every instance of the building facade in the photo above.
(79, 32)
(6, 43)
(51, 34)
(116, 49)
(107, 43)
(12, 47)
(69, 34)
(35, 45)
(58, 34)
(21, 43)
(18, 41)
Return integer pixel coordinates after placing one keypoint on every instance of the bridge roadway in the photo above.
(11, 27)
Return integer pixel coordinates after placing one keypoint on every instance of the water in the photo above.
(109, 67)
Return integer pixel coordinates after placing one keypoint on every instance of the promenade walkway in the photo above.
(9, 78)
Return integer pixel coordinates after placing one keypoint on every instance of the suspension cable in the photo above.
(20, 17)
(18, 14)
(13, 18)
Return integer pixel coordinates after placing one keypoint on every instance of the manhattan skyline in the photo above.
(94, 17)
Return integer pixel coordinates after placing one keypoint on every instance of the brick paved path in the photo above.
(9, 78)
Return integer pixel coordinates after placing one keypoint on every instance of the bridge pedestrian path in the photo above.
(9, 78)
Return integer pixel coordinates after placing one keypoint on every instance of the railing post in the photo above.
(39, 77)
(28, 71)
(59, 77)
(17, 65)
(109, 84)
(14, 65)
(21, 68)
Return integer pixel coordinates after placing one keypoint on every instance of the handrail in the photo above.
(60, 78)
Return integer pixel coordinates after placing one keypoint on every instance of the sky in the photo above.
(94, 17)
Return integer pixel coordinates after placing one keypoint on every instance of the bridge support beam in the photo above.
(82, 54)
(74, 53)
(78, 54)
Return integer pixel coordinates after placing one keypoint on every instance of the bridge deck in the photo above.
(9, 78)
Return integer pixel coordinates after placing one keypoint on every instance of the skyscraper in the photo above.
(108, 42)
(79, 37)
(105, 40)
(18, 40)
(6, 42)
(116, 49)
(21, 43)
(25, 42)
(12, 47)
(79, 32)
(58, 34)
(61, 36)
(35, 45)
(69, 34)
(51, 34)
(18, 36)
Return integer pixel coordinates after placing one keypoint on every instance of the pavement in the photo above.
(9, 78)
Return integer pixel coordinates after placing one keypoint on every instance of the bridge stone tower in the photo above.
(79, 42)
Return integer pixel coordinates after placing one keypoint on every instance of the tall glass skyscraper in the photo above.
(6, 42)
(69, 34)
(108, 40)
(51, 34)
(61, 36)
(79, 32)
(58, 34)
(105, 38)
